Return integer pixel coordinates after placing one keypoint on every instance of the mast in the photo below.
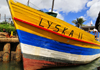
(52, 6)
(28, 3)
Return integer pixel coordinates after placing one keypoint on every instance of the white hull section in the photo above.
(38, 51)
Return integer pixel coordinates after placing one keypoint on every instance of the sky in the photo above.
(67, 10)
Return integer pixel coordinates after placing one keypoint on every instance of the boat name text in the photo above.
(57, 29)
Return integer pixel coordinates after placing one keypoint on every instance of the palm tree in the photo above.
(78, 22)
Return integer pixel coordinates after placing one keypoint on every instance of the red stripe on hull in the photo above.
(33, 64)
(55, 32)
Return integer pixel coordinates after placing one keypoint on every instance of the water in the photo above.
(91, 66)
(11, 66)
(19, 66)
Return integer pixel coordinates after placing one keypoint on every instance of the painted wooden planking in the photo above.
(32, 50)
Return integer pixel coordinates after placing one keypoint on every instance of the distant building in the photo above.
(91, 28)
(87, 28)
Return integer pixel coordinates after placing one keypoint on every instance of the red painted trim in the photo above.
(34, 64)
(54, 32)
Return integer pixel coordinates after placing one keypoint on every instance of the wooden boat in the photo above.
(47, 41)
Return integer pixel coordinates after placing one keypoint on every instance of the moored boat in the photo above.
(47, 41)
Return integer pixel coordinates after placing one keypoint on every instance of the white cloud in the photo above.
(82, 17)
(65, 6)
(60, 16)
(94, 8)
(70, 5)
(3, 2)
(90, 3)
(59, 5)
(4, 9)
(41, 4)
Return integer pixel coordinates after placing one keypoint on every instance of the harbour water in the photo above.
(13, 65)
(19, 66)
(90, 66)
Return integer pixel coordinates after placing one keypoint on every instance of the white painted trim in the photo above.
(33, 50)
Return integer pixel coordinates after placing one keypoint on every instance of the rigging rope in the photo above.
(34, 5)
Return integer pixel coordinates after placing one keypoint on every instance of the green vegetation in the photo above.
(78, 22)
(8, 27)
